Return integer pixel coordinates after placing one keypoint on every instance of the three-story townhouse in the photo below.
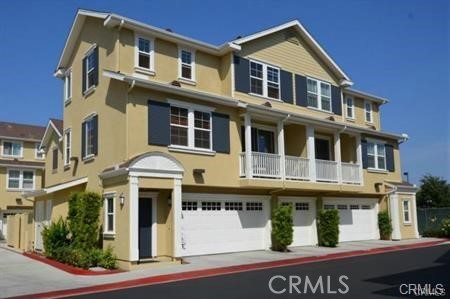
(193, 144)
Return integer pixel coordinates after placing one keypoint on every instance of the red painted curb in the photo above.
(68, 268)
(221, 271)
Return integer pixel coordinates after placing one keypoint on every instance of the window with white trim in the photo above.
(12, 149)
(186, 64)
(90, 70)
(68, 86)
(318, 94)
(20, 179)
(110, 213)
(350, 107)
(67, 146)
(190, 128)
(254, 206)
(144, 53)
(264, 80)
(89, 137)
(376, 155)
(39, 154)
(406, 211)
(368, 111)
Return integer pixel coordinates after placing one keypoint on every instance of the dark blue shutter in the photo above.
(221, 132)
(390, 165)
(158, 123)
(286, 86)
(336, 102)
(300, 91)
(83, 140)
(241, 74)
(365, 161)
(95, 53)
(95, 132)
(83, 76)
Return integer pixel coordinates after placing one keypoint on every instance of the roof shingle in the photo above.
(21, 131)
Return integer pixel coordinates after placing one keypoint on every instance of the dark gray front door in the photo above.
(145, 228)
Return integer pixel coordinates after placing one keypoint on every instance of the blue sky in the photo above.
(395, 49)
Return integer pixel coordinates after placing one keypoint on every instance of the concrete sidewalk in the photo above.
(20, 275)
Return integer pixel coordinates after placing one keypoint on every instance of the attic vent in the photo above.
(292, 38)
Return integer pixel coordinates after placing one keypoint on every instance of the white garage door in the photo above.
(304, 216)
(358, 218)
(217, 223)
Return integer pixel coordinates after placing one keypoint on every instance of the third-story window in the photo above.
(264, 80)
(144, 53)
(187, 65)
(68, 86)
(368, 111)
(376, 155)
(39, 154)
(90, 70)
(319, 94)
(67, 146)
(179, 126)
(350, 108)
(12, 149)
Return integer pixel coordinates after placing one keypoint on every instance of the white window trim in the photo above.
(67, 159)
(106, 196)
(352, 107)
(371, 112)
(87, 156)
(21, 171)
(319, 95)
(192, 65)
(191, 126)
(377, 142)
(68, 77)
(89, 89)
(148, 71)
(12, 141)
(409, 211)
(37, 150)
(264, 79)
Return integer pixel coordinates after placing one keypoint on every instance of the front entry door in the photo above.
(322, 149)
(145, 228)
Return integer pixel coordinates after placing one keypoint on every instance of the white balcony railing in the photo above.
(297, 168)
(350, 173)
(326, 171)
(266, 165)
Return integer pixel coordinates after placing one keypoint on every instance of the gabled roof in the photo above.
(338, 72)
(54, 125)
(21, 131)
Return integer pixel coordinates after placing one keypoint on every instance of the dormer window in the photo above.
(264, 80)
(368, 112)
(186, 59)
(319, 94)
(144, 54)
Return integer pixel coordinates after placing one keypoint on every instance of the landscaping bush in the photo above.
(107, 259)
(282, 227)
(329, 228)
(56, 238)
(385, 226)
(442, 232)
(445, 228)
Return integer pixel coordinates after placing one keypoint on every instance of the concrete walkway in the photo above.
(20, 275)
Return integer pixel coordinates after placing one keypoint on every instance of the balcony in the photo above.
(270, 166)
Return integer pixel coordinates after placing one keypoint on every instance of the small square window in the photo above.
(342, 207)
(301, 206)
(254, 206)
(233, 206)
(189, 206)
(211, 205)
(354, 207)
(366, 207)
(328, 207)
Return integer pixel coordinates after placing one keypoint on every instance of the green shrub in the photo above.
(385, 226)
(107, 259)
(433, 233)
(445, 228)
(282, 227)
(55, 238)
(328, 228)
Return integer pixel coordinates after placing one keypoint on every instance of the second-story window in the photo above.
(350, 108)
(179, 126)
(39, 154)
(67, 146)
(89, 137)
(319, 94)
(368, 111)
(144, 53)
(187, 64)
(68, 86)
(12, 149)
(20, 179)
(264, 80)
(202, 127)
(376, 155)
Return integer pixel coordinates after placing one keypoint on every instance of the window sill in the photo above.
(89, 91)
(183, 149)
(66, 167)
(88, 158)
(109, 235)
(374, 170)
(144, 71)
(12, 157)
(187, 81)
(407, 223)
(264, 97)
(320, 110)
(67, 102)
(350, 119)
(19, 190)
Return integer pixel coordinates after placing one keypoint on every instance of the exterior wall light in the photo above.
(122, 199)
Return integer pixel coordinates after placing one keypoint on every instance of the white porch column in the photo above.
(311, 152)
(359, 158)
(248, 146)
(134, 218)
(281, 151)
(395, 216)
(337, 155)
(414, 213)
(177, 216)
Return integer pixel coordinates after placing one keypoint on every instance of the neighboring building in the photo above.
(192, 144)
(21, 168)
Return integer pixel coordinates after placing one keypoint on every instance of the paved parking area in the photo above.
(20, 275)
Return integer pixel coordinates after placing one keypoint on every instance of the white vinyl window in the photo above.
(318, 94)
(67, 146)
(376, 155)
(90, 70)
(186, 61)
(12, 149)
(368, 112)
(68, 86)
(38, 153)
(110, 214)
(264, 80)
(144, 53)
(350, 108)
(89, 138)
(406, 212)
(190, 128)
(20, 179)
